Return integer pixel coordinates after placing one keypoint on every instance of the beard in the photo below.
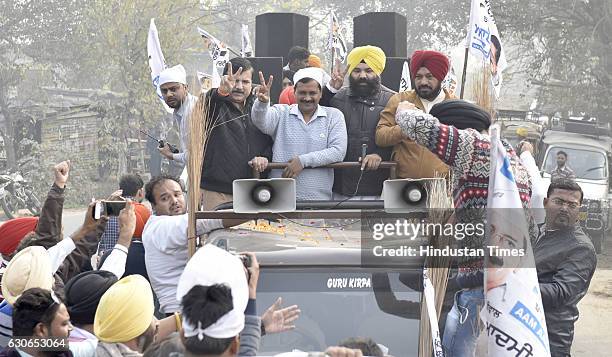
(364, 87)
(428, 93)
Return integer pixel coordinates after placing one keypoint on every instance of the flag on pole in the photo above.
(336, 42)
(157, 63)
(484, 41)
(405, 83)
(246, 50)
(218, 53)
(513, 313)
(450, 81)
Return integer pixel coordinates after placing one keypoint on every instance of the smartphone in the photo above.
(108, 208)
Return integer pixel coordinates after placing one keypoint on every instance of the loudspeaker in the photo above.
(407, 195)
(392, 74)
(387, 30)
(269, 195)
(276, 33)
(269, 66)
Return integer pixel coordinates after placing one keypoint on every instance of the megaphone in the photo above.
(264, 195)
(405, 195)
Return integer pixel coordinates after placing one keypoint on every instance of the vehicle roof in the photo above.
(289, 244)
(602, 143)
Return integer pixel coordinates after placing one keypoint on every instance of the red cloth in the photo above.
(142, 216)
(436, 62)
(13, 231)
(287, 96)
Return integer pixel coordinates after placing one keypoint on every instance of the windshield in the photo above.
(586, 164)
(337, 304)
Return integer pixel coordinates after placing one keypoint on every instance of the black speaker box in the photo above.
(269, 66)
(387, 30)
(392, 74)
(276, 33)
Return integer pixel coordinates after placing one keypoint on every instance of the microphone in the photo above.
(364, 151)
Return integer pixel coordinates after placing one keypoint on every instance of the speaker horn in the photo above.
(405, 195)
(264, 195)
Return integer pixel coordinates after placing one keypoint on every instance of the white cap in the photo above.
(211, 265)
(175, 74)
(309, 72)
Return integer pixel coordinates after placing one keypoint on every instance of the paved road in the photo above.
(72, 219)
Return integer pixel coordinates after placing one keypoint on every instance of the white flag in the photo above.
(156, 61)
(513, 313)
(218, 50)
(405, 83)
(484, 41)
(450, 81)
(246, 50)
(336, 42)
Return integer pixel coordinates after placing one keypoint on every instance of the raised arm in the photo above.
(264, 117)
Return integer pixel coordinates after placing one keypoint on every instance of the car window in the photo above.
(337, 304)
(586, 164)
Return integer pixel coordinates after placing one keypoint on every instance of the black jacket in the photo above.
(565, 261)
(361, 116)
(231, 144)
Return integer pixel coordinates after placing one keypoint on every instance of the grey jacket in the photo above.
(565, 261)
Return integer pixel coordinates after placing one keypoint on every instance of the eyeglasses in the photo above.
(560, 202)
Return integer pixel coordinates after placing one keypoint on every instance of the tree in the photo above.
(31, 33)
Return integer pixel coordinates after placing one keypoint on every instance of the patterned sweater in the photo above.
(467, 153)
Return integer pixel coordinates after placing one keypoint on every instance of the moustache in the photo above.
(239, 91)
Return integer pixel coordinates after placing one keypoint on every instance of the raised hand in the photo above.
(61, 172)
(263, 90)
(277, 319)
(337, 75)
(229, 80)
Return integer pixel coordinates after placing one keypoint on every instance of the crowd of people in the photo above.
(125, 285)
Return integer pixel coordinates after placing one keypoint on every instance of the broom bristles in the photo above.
(199, 130)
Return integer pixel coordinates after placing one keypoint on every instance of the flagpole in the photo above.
(465, 62)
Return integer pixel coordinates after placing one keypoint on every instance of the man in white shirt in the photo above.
(173, 86)
(165, 238)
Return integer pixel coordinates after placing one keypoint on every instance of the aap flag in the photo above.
(246, 50)
(484, 41)
(513, 312)
(336, 43)
(156, 61)
(218, 53)
(405, 83)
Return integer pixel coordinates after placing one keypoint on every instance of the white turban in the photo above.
(309, 72)
(173, 74)
(211, 265)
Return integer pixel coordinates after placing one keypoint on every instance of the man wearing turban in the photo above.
(427, 69)
(361, 103)
(124, 321)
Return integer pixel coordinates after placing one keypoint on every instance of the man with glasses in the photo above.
(565, 260)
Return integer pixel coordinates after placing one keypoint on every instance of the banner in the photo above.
(513, 313)
(450, 81)
(430, 300)
(405, 83)
(484, 41)
(157, 63)
(246, 50)
(336, 42)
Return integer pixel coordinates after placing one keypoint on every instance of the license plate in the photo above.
(582, 216)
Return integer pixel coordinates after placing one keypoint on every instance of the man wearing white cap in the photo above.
(173, 85)
(305, 134)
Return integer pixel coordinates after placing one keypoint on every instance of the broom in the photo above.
(200, 128)
(440, 206)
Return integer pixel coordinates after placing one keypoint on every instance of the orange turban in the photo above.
(436, 62)
(287, 96)
(142, 216)
(314, 61)
(13, 231)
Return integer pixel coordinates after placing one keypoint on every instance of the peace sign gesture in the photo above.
(337, 75)
(229, 80)
(263, 91)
